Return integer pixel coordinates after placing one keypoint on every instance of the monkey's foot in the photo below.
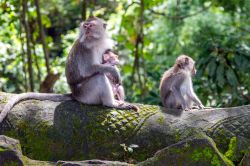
(120, 102)
(125, 105)
(195, 107)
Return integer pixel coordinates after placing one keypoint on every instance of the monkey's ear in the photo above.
(104, 25)
(81, 24)
(180, 65)
(186, 60)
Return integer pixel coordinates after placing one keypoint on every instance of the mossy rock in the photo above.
(54, 131)
(194, 151)
(11, 154)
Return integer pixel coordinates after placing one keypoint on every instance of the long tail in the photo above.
(37, 96)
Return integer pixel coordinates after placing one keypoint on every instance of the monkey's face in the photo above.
(94, 29)
(191, 67)
(111, 58)
(186, 63)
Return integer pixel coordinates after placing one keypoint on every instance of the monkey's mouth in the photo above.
(91, 35)
(88, 34)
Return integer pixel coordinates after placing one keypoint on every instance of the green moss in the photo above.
(222, 138)
(38, 141)
(202, 154)
(226, 160)
(160, 120)
(215, 161)
(230, 153)
(208, 153)
(2, 149)
(11, 163)
(4, 100)
(35, 101)
(29, 162)
(177, 135)
(25, 160)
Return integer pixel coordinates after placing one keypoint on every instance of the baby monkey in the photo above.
(176, 88)
(112, 59)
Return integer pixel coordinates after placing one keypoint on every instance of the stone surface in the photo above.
(11, 154)
(55, 131)
(194, 151)
(92, 162)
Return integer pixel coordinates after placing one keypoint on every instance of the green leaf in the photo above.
(231, 77)
(212, 67)
(220, 75)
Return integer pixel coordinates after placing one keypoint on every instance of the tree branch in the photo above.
(181, 16)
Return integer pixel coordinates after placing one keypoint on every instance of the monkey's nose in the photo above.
(89, 26)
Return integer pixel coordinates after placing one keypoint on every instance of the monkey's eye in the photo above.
(85, 26)
(104, 25)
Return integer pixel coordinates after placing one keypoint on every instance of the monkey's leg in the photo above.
(172, 102)
(120, 92)
(180, 98)
(108, 99)
(89, 92)
(98, 90)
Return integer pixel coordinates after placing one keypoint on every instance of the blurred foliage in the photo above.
(149, 35)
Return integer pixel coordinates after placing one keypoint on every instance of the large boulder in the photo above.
(72, 131)
(11, 154)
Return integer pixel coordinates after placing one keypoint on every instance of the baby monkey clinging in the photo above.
(176, 88)
(112, 59)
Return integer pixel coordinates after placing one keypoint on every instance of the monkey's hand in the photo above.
(201, 106)
(187, 109)
(115, 73)
(126, 105)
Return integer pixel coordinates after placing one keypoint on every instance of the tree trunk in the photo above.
(28, 37)
(138, 51)
(23, 56)
(43, 37)
(84, 10)
(48, 84)
(36, 60)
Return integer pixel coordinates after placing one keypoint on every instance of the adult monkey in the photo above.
(84, 71)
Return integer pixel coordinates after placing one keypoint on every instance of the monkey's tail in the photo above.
(32, 95)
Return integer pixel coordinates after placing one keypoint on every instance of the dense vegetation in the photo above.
(36, 37)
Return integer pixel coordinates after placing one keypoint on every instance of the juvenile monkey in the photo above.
(85, 72)
(176, 88)
(112, 59)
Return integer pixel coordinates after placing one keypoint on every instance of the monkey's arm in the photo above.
(192, 95)
(175, 88)
(74, 76)
(103, 68)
